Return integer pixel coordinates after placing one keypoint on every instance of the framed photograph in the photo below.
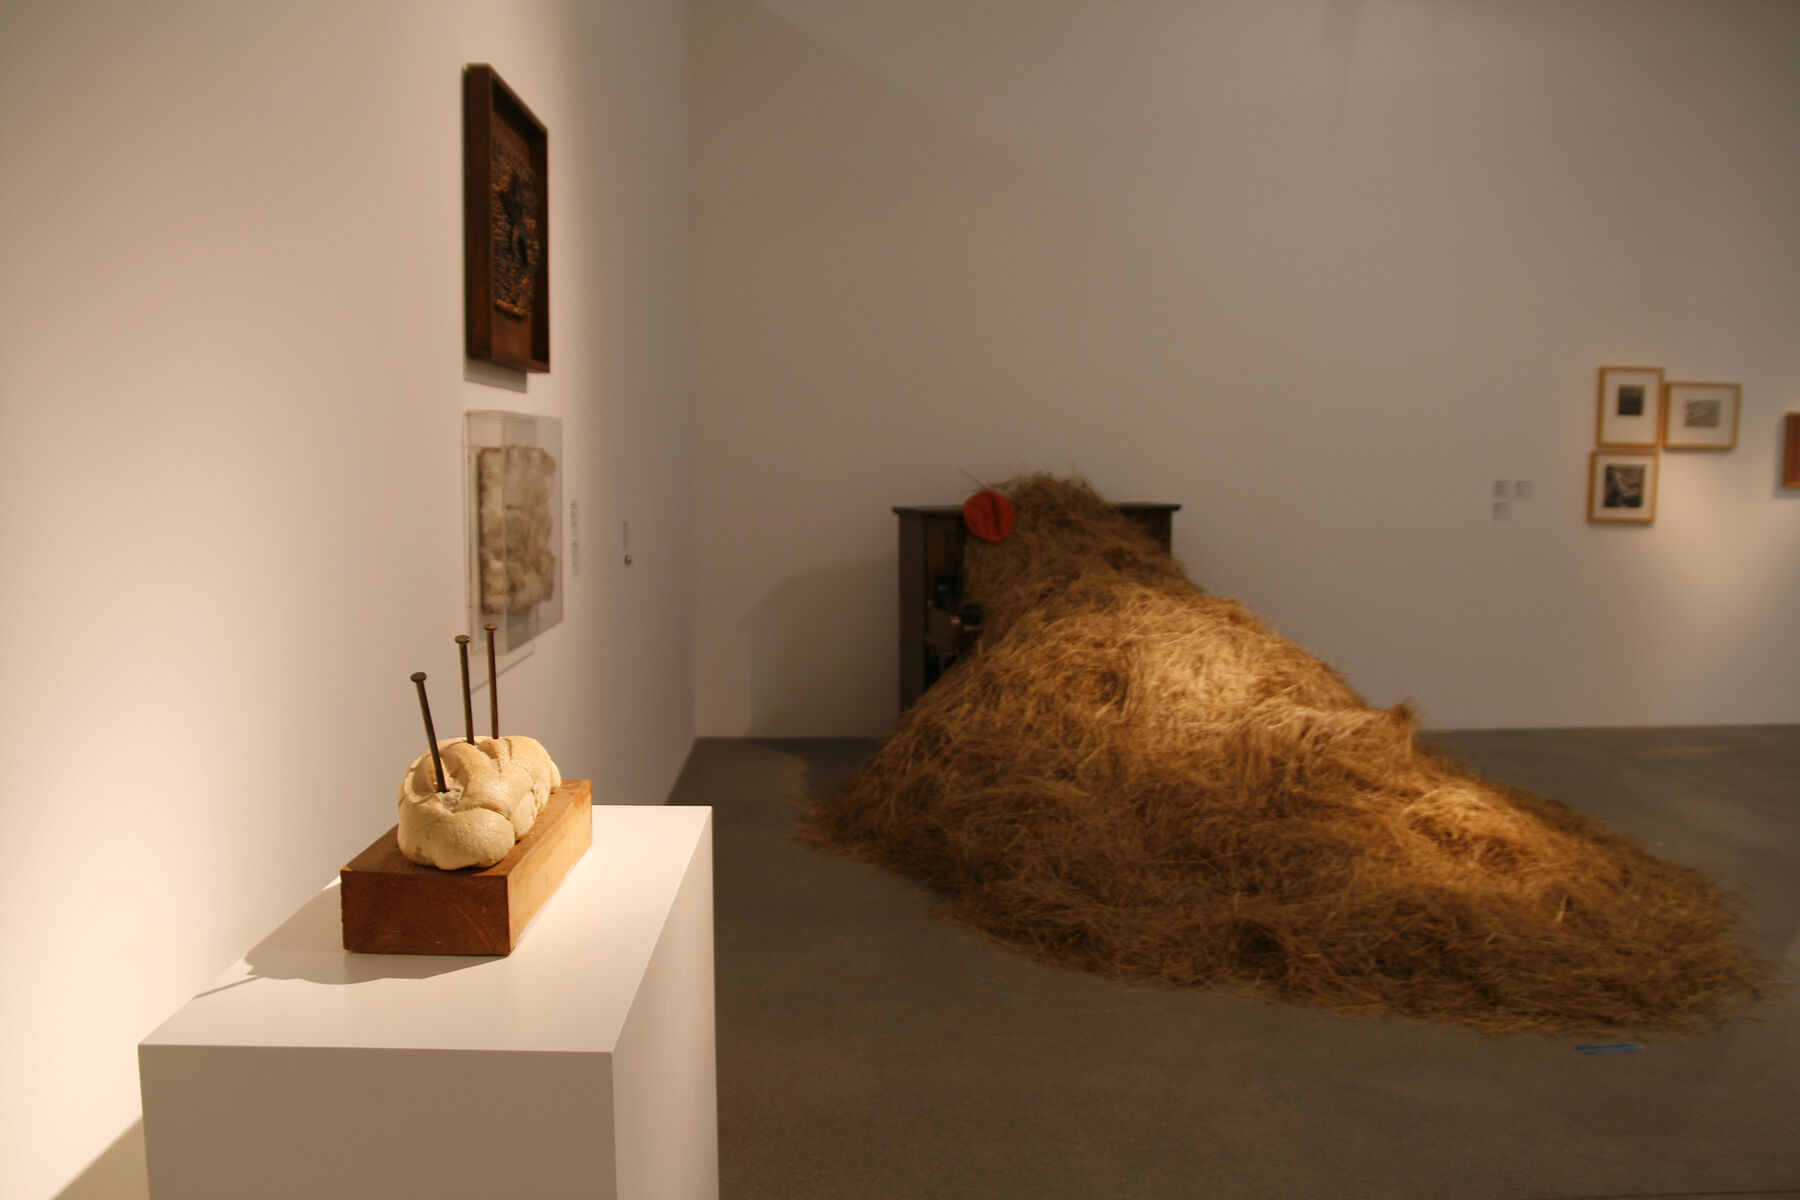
(506, 225)
(1790, 461)
(1700, 416)
(1622, 486)
(1631, 401)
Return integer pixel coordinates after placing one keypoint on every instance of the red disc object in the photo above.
(989, 516)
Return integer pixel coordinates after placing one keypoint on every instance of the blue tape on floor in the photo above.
(1610, 1048)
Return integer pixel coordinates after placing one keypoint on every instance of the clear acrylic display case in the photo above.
(513, 493)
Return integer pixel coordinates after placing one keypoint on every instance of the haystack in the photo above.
(1134, 777)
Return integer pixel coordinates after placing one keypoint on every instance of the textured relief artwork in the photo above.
(518, 566)
(513, 229)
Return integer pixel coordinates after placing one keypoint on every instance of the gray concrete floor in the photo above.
(868, 1049)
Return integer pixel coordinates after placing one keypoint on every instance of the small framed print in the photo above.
(1622, 486)
(1700, 416)
(1631, 400)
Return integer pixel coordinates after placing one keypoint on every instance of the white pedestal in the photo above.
(581, 1065)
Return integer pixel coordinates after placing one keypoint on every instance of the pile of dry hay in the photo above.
(1134, 777)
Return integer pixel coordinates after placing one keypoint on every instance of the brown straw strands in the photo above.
(1133, 777)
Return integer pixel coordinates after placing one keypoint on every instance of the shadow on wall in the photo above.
(815, 647)
(120, 1173)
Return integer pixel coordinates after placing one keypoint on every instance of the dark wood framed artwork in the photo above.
(1790, 459)
(506, 225)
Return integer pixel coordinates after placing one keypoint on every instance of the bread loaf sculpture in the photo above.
(494, 790)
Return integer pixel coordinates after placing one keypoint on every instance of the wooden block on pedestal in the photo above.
(392, 905)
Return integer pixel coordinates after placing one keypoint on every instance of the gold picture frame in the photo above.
(1631, 407)
(1701, 416)
(1622, 486)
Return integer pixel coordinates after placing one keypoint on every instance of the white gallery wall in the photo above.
(1320, 271)
(232, 369)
